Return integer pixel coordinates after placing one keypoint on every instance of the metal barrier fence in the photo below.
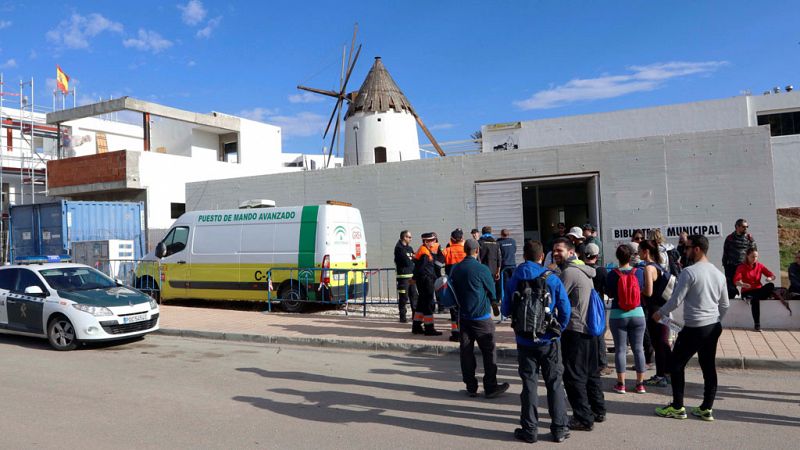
(142, 275)
(297, 286)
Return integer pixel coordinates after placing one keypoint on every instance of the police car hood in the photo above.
(108, 297)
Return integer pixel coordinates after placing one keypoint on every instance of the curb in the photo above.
(742, 363)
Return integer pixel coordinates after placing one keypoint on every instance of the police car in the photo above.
(70, 303)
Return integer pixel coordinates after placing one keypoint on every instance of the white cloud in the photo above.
(193, 12)
(76, 31)
(259, 114)
(306, 97)
(33, 54)
(205, 32)
(148, 41)
(191, 63)
(302, 124)
(9, 64)
(442, 126)
(640, 79)
(5, 24)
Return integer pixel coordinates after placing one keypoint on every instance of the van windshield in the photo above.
(76, 279)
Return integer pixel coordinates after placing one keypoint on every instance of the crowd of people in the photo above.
(650, 280)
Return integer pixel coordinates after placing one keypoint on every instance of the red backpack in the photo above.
(628, 290)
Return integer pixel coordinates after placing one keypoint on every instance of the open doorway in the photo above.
(573, 201)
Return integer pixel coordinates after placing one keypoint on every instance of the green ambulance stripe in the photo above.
(308, 237)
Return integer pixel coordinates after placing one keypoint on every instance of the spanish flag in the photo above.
(62, 80)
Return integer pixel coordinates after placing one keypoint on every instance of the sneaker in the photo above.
(599, 418)
(640, 388)
(522, 435)
(471, 394)
(455, 338)
(498, 390)
(577, 425)
(657, 381)
(758, 328)
(619, 388)
(705, 414)
(673, 413)
(560, 437)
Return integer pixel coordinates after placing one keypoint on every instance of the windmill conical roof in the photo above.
(378, 93)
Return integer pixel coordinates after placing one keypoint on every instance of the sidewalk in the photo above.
(737, 348)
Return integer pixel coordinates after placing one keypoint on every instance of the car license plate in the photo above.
(134, 318)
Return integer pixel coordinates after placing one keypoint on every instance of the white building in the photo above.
(780, 110)
(104, 159)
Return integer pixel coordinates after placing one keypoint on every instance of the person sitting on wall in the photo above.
(748, 278)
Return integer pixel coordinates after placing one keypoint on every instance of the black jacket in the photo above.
(403, 258)
(428, 267)
(490, 254)
(735, 248)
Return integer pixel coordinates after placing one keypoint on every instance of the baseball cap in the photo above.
(588, 226)
(471, 245)
(591, 249)
(576, 232)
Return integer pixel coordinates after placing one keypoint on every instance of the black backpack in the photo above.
(529, 316)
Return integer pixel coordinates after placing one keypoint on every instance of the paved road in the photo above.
(165, 392)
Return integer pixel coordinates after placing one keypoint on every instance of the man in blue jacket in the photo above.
(473, 285)
(540, 354)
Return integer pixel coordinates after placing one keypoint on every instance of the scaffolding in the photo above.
(22, 164)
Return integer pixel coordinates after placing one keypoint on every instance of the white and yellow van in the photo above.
(227, 255)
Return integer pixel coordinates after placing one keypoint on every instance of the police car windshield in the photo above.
(76, 279)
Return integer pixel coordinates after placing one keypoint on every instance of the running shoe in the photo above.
(705, 414)
(619, 388)
(657, 381)
(673, 413)
(640, 388)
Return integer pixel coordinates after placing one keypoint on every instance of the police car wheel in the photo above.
(61, 334)
(290, 297)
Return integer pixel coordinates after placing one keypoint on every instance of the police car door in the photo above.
(8, 278)
(25, 310)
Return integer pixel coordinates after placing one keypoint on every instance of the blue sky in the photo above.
(462, 64)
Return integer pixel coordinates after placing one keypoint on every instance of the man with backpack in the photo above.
(579, 348)
(473, 285)
(538, 352)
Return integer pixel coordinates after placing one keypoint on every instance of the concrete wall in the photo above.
(119, 136)
(655, 180)
(260, 146)
(734, 112)
(205, 146)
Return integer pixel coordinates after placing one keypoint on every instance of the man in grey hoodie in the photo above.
(702, 290)
(579, 348)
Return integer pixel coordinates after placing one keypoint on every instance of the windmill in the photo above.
(380, 121)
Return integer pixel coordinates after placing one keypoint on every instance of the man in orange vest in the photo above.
(454, 254)
(428, 266)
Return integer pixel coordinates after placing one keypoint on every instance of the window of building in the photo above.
(231, 152)
(177, 209)
(781, 124)
(380, 155)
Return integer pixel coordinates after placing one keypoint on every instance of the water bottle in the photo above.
(673, 325)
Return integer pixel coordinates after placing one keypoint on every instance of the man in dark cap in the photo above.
(428, 266)
(590, 237)
(474, 289)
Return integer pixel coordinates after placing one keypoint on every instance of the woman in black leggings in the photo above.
(748, 278)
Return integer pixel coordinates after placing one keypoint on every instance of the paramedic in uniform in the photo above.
(428, 266)
(404, 263)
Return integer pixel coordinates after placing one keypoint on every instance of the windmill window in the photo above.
(380, 155)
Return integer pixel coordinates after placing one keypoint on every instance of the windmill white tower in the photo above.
(380, 123)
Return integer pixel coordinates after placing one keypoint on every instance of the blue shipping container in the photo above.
(50, 228)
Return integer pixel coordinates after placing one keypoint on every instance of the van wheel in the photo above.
(290, 299)
(148, 286)
(61, 334)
